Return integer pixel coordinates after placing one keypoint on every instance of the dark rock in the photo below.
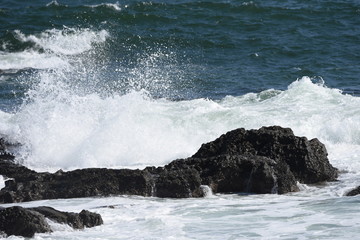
(90, 219)
(306, 159)
(28, 221)
(354, 192)
(75, 220)
(178, 183)
(239, 173)
(11, 169)
(73, 184)
(22, 222)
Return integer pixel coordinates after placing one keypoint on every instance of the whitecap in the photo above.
(53, 48)
(67, 41)
(116, 6)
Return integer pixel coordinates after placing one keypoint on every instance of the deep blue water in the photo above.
(208, 48)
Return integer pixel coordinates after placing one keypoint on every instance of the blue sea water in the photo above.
(137, 83)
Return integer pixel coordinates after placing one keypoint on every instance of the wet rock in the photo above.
(90, 219)
(306, 159)
(354, 192)
(22, 222)
(26, 222)
(75, 220)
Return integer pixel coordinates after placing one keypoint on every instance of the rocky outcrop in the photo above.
(73, 184)
(306, 159)
(25, 222)
(268, 160)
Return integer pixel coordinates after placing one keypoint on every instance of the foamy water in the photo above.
(293, 216)
(63, 130)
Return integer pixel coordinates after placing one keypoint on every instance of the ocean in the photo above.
(129, 84)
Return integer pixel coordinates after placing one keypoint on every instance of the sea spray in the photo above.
(60, 129)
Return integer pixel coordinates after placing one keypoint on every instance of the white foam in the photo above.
(221, 216)
(60, 129)
(31, 59)
(59, 227)
(2, 182)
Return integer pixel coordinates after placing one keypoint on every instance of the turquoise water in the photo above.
(136, 83)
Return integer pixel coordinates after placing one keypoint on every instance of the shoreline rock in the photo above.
(267, 160)
(26, 222)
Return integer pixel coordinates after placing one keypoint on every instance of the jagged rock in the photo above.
(306, 159)
(354, 192)
(268, 160)
(26, 222)
(22, 222)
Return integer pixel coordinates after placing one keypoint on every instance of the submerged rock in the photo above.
(25, 222)
(75, 220)
(268, 160)
(354, 192)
